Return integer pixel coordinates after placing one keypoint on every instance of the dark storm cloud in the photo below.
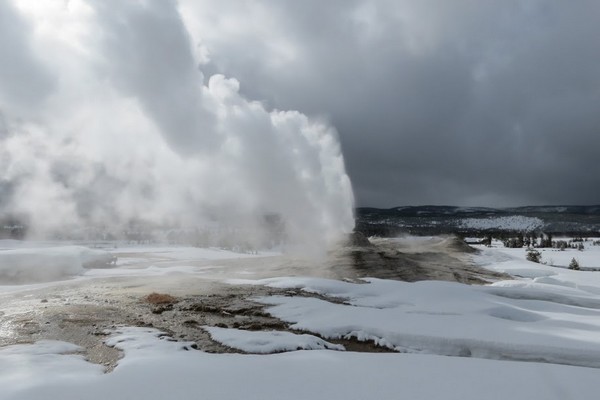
(463, 102)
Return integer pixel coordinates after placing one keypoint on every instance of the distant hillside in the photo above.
(430, 220)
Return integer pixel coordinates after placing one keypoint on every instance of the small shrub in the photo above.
(533, 255)
(574, 264)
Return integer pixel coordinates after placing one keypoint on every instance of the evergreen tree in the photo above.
(574, 264)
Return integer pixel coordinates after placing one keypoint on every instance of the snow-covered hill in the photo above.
(431, 220)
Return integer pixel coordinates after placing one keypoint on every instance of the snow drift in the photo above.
(33, 265)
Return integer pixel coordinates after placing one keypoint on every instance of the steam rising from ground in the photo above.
(106, 117)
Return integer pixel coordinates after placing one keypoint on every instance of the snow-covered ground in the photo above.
(501, 321)
(160, 369)
(533, 337)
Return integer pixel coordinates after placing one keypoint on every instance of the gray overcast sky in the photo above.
(436, 102)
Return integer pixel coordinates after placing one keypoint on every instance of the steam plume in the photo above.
(105, 117)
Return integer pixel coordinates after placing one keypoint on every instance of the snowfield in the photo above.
(155, 368)
(532, 337)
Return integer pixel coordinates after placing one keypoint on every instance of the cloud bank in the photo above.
(107, 117)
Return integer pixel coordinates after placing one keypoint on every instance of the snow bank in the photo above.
(261, 342)
(155, 368)
(33, 265)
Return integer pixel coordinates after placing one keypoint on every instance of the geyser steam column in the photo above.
(126, 128)
(282, 162)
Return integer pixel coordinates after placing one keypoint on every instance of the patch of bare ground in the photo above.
(160, 298)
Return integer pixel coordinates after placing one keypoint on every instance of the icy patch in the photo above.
(260, 342)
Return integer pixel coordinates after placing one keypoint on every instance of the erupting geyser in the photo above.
(106, 118)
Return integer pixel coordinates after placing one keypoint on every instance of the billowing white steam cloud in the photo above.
(105, 117)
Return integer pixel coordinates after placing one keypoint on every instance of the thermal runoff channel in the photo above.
(107, 118)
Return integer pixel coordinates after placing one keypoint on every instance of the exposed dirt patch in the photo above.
(160, 298)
